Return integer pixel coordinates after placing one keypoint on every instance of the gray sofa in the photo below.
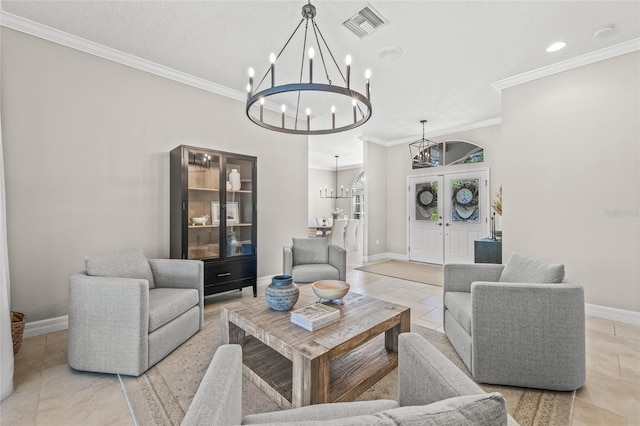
(432, 391)
(520, 325)
(126, 313)
(314, 259)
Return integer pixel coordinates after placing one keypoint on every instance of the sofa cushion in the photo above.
(167, 304)
(484, 409)
(459, 304)
(310, 250)
(314, 272)
(321, 412)
(522, 269)
(131, 264)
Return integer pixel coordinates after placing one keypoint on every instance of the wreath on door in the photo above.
(427, 196)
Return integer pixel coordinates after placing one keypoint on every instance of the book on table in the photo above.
(315, 316)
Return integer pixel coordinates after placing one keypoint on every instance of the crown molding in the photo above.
(450, 130)
(578, 61)
(45, 32)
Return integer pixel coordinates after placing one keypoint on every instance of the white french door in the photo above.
(425, 216)
(445, 231)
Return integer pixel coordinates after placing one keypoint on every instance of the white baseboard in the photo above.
(398, 256)
(613, 314)
(45, 326)
(385, 256)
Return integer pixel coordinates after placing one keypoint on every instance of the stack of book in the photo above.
(315, 316)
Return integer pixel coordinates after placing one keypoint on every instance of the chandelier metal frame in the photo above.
(420, 151)
(342, 192)
(361, 103)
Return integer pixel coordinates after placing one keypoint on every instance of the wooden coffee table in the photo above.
(296, 367)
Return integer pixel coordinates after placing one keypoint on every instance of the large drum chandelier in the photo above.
(334, 108)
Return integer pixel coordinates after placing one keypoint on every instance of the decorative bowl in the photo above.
(330, 289)
(200, 220)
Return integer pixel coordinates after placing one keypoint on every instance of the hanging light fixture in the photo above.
(328, 193)
(424, 153)
(334, 108)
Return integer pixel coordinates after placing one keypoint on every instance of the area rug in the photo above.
(162, 395)
(411, 271)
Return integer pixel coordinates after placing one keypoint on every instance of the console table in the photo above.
(487, 250)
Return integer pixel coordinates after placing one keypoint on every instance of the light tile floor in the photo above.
(48, 392)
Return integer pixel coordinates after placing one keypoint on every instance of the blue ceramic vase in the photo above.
(282, 293)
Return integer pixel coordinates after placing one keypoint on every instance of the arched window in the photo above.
(448, 152)
(357, 199)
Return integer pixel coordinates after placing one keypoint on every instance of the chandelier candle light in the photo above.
(319, 98)
(342, 194)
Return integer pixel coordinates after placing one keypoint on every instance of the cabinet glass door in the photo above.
(203, 205)
(239, 209)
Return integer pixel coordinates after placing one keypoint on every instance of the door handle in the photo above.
(226, 274)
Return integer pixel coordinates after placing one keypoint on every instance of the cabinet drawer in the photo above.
(222, 272)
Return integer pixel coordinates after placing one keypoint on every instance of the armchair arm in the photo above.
(177, 273)
(338, 259)
(529, 335)
(112, 314)
(180, 273)
(218, 400)
(426, 376)
(287, 260)
(458, 276)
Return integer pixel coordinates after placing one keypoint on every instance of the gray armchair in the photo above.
(518, 325)
(432, 391)
(314, 259)
(126, 313)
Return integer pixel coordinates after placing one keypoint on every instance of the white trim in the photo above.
(50, 325)
(398, 256)
(613, 314)
(385, 256)
(36, 29)
(450, 130)
(578, 61)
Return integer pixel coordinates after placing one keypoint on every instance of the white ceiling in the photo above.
(452, 50)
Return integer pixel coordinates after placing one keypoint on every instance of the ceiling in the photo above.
(451, 50)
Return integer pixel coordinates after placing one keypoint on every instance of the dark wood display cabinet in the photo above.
(213, 215)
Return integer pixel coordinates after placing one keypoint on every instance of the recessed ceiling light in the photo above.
(556, 46)
(389, 53)
(603, 30)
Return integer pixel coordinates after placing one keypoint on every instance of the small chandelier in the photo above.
(329, 193)
(424, 153)
(335, 108)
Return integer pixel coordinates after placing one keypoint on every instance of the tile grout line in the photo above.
(126, 397)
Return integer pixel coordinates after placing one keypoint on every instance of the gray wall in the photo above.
(320, 207)
(571, 175)
(375, 199)
(86, 144)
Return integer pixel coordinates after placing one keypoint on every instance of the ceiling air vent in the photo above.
(365, 21)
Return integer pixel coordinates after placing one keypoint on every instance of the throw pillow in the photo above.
(310, 250)
(483, 409)
(522, 269)
(132, 264)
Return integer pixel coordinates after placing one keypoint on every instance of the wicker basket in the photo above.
(17, 330)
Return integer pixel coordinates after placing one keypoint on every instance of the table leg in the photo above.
(230, 333)
(391, 335)
(309, 381)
